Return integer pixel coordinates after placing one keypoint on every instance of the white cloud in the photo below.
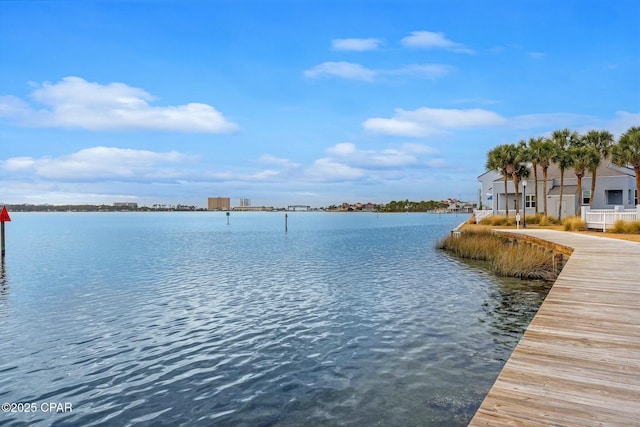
(427, 71)
(346, 153)
(397, 127)
(345, 70)
(346, 162)
(550, 120)
(622, 122)
(265, 175)
(358, 45)
(13, 107)
(404, 155)
(43, 193)
(100, 163)
(425, 121)
(352, 71)
(330, 170)
(75, 103)
(453, 118)
(428, 121)
(431, 40)
(278, 161)
(19, 163)
(582, 123)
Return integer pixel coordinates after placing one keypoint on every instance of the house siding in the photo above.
(609, 178)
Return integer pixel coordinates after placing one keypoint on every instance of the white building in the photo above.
(615, 187)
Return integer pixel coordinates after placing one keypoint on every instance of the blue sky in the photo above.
(297, 101)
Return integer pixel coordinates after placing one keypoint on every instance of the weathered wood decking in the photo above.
(578, 363)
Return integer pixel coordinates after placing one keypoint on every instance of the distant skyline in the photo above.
(297, 101)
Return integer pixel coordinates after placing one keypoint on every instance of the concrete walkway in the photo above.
(578, 363)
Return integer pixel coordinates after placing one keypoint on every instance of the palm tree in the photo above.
(583, 157)
(602, 141)
(533, 155)
(627, 153)
(496, 161)
(543, 153)
(562, 140)
(515, 157)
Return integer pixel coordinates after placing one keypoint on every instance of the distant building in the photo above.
(127, 205)
(245, 203)
(218, 203)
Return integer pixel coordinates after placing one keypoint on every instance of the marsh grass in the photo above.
(537, 219)
(506, 258)
(625, 227)
(497, 220)
(574, 223)
(525, 262)
(480, 245)
(545, 220)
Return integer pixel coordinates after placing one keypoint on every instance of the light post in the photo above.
(524, 203)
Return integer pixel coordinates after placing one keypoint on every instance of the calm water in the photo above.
(181, 319)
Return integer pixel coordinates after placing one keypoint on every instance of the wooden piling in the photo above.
(4, 217)
(2, 238)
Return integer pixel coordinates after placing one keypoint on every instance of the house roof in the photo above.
(568, 190)
(488, 172)
(605, 169)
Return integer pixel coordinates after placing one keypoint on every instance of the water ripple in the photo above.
(333, 325)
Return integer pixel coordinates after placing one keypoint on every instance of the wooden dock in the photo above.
(578, 363)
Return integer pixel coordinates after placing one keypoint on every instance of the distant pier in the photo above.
(303, 208)
(578, 362)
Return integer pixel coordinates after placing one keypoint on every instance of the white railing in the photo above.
(482, 214)
(604, 219)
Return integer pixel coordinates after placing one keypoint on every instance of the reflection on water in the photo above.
(4, 286)
(510, 305)
(510, 308)
(180, 319)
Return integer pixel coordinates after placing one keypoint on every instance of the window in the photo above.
(586, 197)
(530, 201)
(614, 197)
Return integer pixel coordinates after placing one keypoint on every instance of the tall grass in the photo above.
(525, 262)
(574, 223)
(505, 257)
(498, 220)
(480, 245)
(546, 220)
(626, 227)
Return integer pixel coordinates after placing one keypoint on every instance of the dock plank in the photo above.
(578, 362)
